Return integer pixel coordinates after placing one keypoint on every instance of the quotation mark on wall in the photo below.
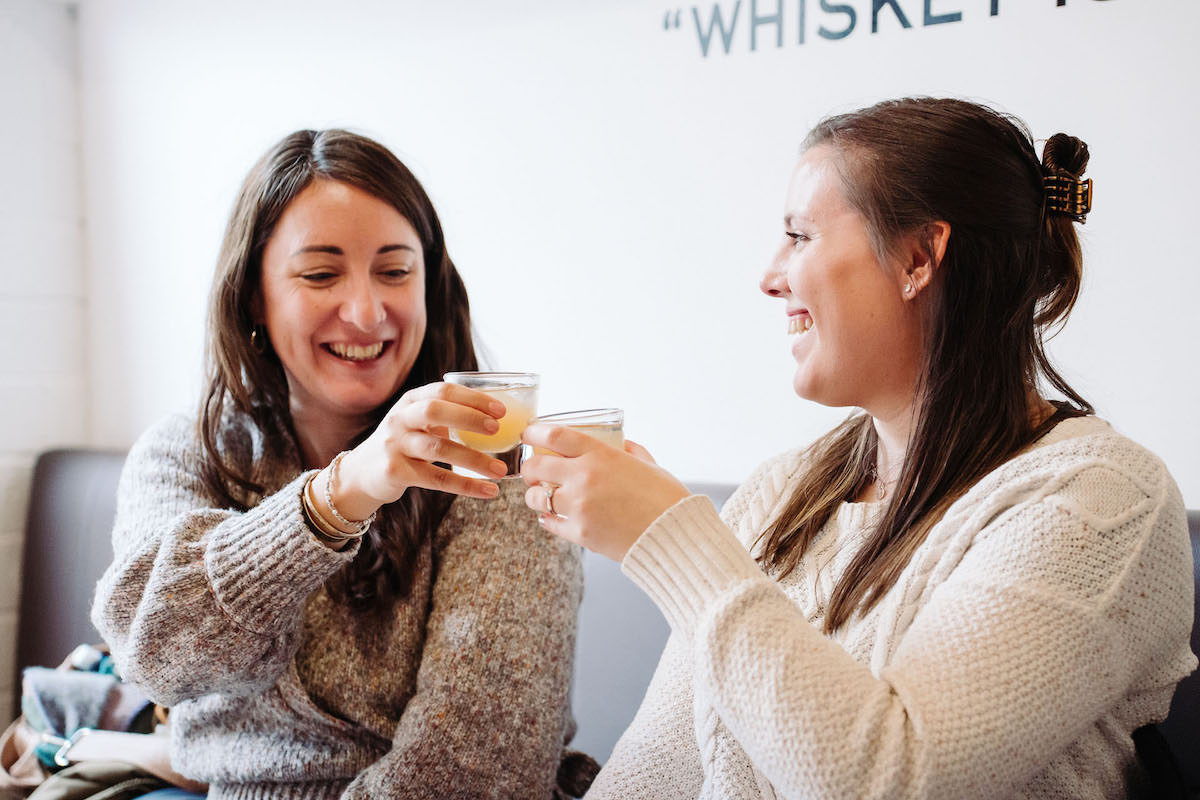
(671, 21)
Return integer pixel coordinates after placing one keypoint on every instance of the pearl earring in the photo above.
(908, 288)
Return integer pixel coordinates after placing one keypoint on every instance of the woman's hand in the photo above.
(604, 498)
(415, 434)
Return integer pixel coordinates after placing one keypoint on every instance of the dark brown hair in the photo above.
(241, 378)
(1010, 272)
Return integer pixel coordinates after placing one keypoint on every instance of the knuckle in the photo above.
(436, 448)
(554, 436)
(409, 442)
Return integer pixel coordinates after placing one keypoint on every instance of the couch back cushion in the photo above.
(68, 545)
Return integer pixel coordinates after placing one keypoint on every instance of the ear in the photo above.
(923, 255)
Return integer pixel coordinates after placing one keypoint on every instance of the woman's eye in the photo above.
(395, 273)
(318, 277)
(797, 238)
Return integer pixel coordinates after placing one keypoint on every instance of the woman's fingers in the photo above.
(428, 476)
(432, 414)
(559, 438)
(546, 468)
(458, 395)
(538, 498)
(431, 448)
(637, 451)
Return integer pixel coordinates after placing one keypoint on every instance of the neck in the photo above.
(894, 431)
(321, 437)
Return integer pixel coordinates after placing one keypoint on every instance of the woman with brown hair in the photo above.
(966, 589)
(294, 574)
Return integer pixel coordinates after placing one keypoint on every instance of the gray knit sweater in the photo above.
(277, 691)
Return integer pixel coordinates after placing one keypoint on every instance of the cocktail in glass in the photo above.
(605, 424)
(518, 391)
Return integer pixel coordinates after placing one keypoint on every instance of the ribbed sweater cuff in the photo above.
(686, 559)
(265, 563)
(325, 790)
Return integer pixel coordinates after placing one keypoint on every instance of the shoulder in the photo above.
(1082, 489)
(171, 449)
(1087, 461)
(178, 434)
(171, 438)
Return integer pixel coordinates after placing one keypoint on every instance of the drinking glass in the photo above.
(605, 424)
(518, 391)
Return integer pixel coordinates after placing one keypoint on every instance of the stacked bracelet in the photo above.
(321, 526)
(329, 486)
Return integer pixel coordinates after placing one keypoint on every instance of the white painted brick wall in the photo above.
(43, 298)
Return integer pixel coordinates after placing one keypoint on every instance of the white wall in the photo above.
(611, 195)
(42, 294)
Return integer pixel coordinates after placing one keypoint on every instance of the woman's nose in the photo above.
(774, 280)
(363, 308)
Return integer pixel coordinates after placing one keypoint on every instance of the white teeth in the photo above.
(353, 352)
(798, 325)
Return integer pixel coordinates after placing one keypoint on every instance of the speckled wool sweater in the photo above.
(1045, 618)
(460, 690)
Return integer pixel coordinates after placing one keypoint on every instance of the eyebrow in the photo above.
(334, 250)
(790, 220)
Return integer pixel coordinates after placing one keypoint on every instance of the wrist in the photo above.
(342, 493)
(325, 530)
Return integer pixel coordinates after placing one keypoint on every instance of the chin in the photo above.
(820, 392)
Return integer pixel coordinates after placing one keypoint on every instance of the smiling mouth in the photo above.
(799, 324)
(354, 352)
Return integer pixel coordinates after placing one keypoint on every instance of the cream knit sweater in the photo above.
(1044, 619)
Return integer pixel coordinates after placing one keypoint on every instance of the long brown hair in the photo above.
(1011, 272)
(251, 380)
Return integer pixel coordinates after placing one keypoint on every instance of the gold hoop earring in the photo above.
(258, 339)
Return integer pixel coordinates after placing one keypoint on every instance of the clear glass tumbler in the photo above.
(518, 391)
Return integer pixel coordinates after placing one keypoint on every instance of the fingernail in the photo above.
(497, 408)
(491, 490)
(490, 425)
(498, 468)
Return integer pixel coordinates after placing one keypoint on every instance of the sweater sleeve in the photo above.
(201, 599)
(491, 711)
(1064, 603)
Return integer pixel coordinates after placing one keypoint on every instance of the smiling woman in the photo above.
(970, 588)
(343, 302)
(329, 609)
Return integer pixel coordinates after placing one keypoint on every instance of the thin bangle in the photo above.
(322, 528)
(360, 526)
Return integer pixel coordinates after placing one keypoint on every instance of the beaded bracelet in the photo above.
(329, 484)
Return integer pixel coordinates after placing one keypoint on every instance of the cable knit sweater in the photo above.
(277, 691)
(1045, 618)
